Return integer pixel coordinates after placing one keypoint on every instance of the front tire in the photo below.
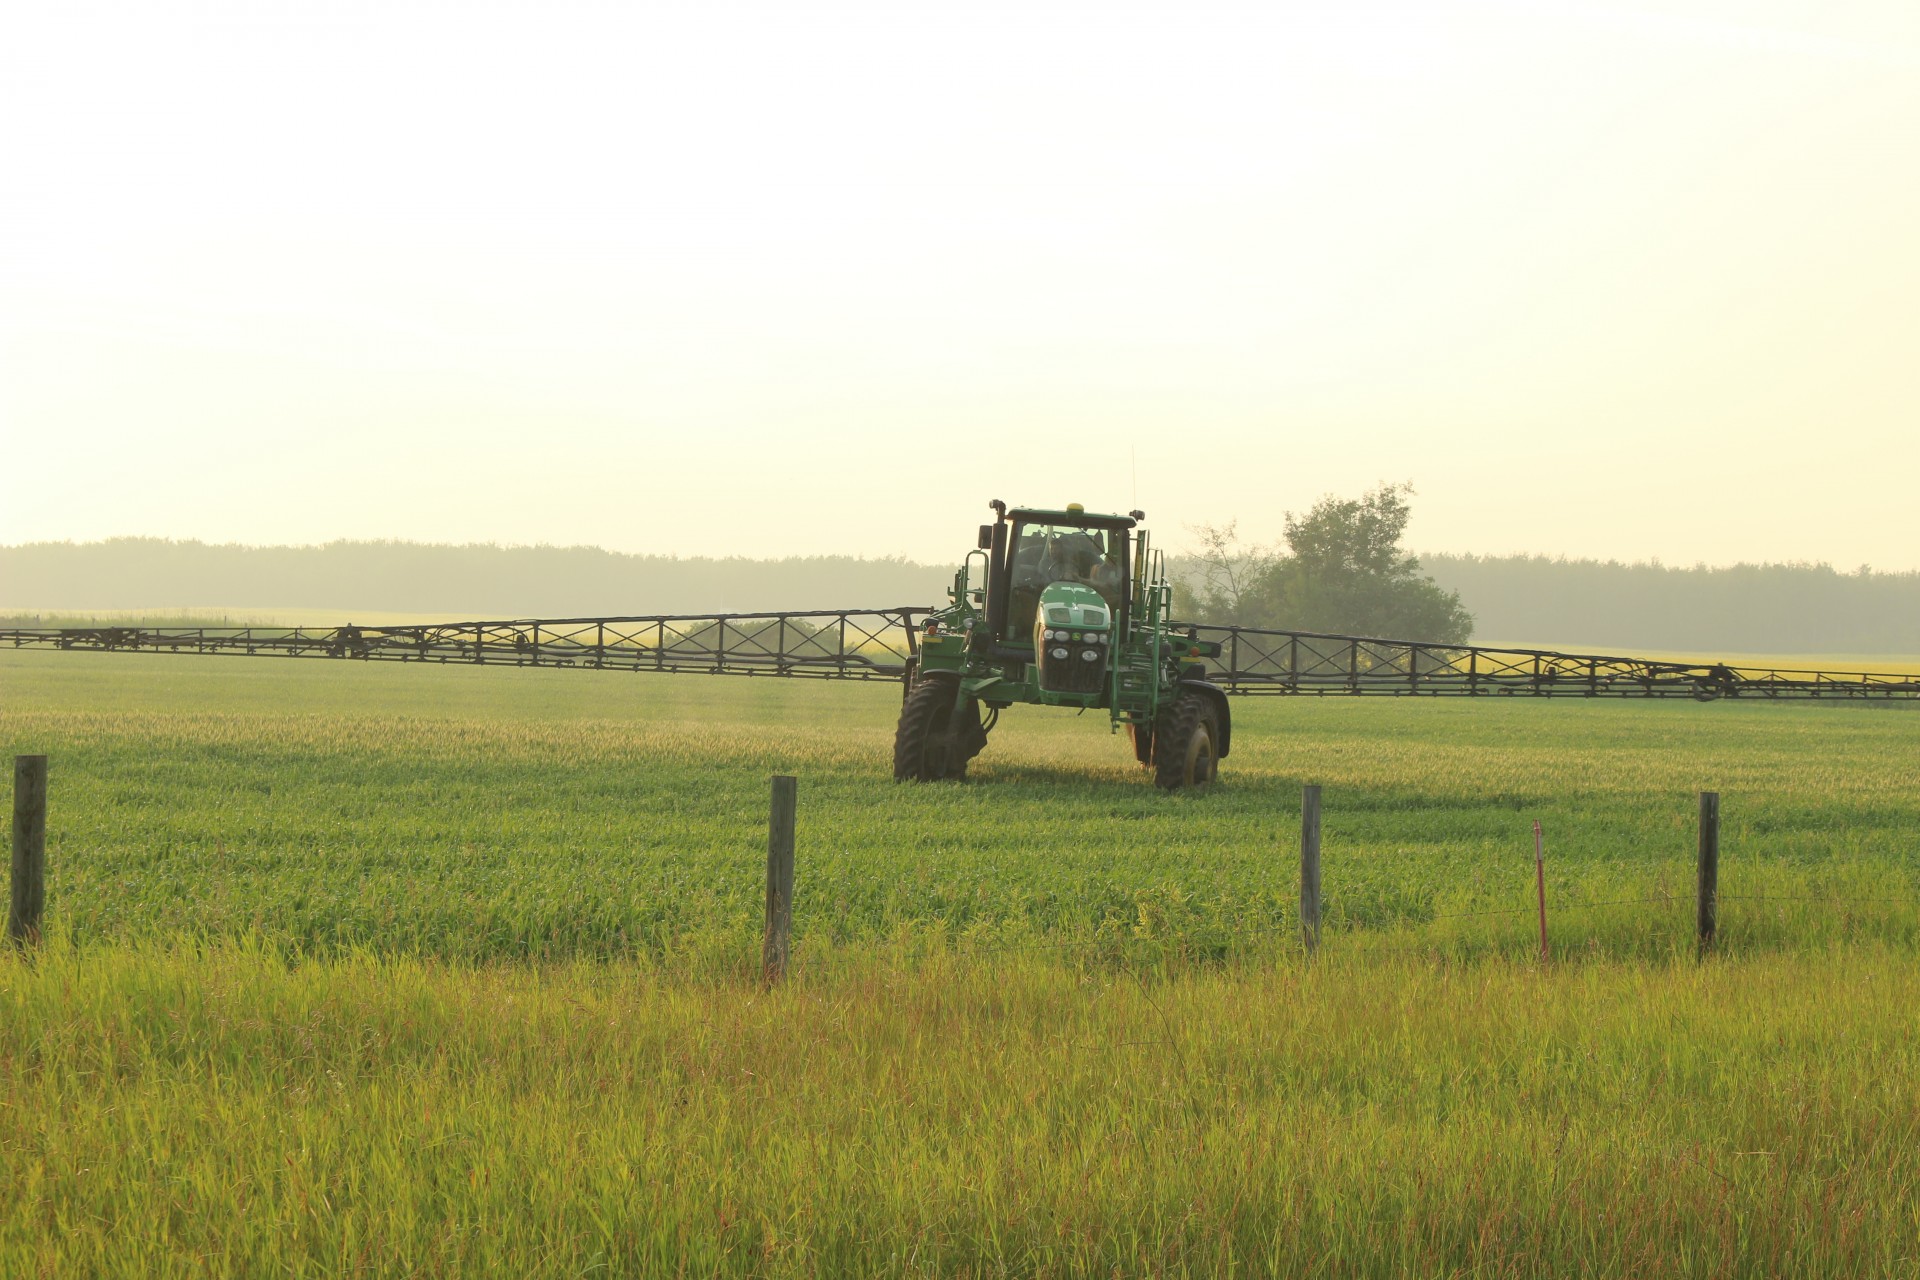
(1186, 744)
(932, 742)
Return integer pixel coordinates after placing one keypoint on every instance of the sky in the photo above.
(1628, 281)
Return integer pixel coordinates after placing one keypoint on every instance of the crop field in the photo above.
(481, 814)
(409, 970)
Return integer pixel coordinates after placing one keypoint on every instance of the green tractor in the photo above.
(1069, 610)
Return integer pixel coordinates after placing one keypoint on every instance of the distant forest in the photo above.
(1794, 608)
(475, 580)
(1743, 608)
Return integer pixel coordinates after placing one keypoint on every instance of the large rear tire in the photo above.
(933, 743)
(1186, 744)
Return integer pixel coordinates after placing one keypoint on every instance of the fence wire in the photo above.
(1131, 951)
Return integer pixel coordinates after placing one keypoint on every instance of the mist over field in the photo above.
(1742, 608)
(1775, 608)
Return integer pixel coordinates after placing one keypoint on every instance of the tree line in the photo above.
(1742, 608)
(472, 580)
(1341, 569)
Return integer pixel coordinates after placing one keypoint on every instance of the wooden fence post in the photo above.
(1540, 884)
(1709, 894)
(777, 944)
(1310, 867)
(29, 897)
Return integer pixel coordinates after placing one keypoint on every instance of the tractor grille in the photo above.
(1073, 666)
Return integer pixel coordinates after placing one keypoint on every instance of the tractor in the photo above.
(1061, 609)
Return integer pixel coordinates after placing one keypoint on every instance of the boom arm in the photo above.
(864, 644)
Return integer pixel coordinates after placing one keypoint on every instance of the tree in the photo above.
(1229, 573)
(1343, 571)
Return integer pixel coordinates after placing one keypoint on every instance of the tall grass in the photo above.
(215, 1110)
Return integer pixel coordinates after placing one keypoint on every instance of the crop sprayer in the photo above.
(1053, 608)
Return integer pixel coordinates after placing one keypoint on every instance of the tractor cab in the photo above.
(1043, 554)
(1046, 553)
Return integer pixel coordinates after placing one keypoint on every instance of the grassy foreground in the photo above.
(220, 1112)
(402, 971)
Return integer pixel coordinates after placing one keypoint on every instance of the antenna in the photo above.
(1133, 460)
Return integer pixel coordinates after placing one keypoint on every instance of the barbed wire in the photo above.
(1367, 940)
(1812, 897)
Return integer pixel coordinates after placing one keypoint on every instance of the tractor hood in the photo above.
(1074, 606)
(1072, 640)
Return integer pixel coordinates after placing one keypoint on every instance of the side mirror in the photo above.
(986, 537)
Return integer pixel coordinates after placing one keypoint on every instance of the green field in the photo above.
(432, 970)
(481, 814)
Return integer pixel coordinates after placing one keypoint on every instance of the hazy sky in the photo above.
(1617, 280)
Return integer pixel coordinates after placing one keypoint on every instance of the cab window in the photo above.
(1042, 554)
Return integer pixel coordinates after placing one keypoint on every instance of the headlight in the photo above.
(1090, 655)
(1047, 634)
(1059, 653)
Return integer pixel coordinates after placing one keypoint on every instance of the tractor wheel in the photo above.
(932, 743)
(1186, 744)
